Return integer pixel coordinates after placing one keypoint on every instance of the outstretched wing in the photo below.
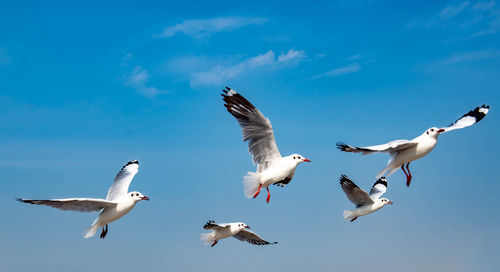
(469, 118)
(379, 188)
(257, 129)
(252, 238)
(211, 225)
(73, 204)
(123, 180)
(354, 193)
(390, 147)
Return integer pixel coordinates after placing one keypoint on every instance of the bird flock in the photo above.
(271, 169)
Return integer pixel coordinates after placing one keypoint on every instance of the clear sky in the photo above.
(87, 86)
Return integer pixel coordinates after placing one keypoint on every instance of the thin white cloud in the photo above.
(200, 28)
(4, 57)
(221, 73)
(138, 79)
(471, 56)
(451, 11)
(348, 69)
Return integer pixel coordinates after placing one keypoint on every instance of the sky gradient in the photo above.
(86, 87)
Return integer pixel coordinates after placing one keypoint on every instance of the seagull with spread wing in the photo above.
(272, 168)
(238, 230)
(405, 151)
(118, 202)
(365, 203)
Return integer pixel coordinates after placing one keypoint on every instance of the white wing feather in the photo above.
(122, 180)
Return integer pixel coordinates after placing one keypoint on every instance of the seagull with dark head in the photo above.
(405, 151)
(272, 168)
(366, 203)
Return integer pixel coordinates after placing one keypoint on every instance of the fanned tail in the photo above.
(251, 184)
(348, 214)
(207, 238)
(90, 231)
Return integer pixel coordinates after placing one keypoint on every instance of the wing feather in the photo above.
(122, 180)
(256, 128)
(73, 204)
(252, 238)
(390, 147)
(469, 118)
(355, 194)
(379, 188)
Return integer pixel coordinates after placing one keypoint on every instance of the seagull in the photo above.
(117, 203)
(365, 203)
(272, 168)
(238, 230)
(406, 151)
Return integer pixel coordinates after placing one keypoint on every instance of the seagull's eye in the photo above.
(294, 157)
(432, 129)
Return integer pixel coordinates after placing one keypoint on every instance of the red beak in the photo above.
(145, 198)
(440, 130)
(390, 202)
(307, 160)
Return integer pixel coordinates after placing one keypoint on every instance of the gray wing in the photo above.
(211, 225)
(73, 204)
(379, 188)
(354, 193)
(469, 118)
(390, 147)
(122, 180)
(257, 129)
(252, 238)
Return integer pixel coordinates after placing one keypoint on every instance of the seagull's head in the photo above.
(136, 196)
(434, 132)
(242, 226)
(297, 158)
(385, 201)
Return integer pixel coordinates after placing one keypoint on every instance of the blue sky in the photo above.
(88, 86)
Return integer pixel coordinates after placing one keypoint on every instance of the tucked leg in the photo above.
(104, 231)
(354, 218)
(268, 196)
(215, 242)
(408, 178)
(258, 191)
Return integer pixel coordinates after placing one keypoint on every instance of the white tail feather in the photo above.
(90, 231)
(207, 238)
(348, 214)
(251, 184)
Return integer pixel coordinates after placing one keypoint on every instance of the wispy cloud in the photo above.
(471, 56)
(221, 73)
(200, 28)
(348, 69)
(4, 57)
(451, 11)
(138, 78)
(481, 18)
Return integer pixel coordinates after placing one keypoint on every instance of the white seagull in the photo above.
(237, 230)
(272, 168)
(365, 203)
(117, 203)
(406, 151)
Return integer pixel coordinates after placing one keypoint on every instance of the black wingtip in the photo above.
(131, 162)
(209, 224)
(342, 146)
(343, 178)
(382, 181)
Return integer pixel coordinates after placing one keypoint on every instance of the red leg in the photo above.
(215, 242)
(354, 218)
(408, 178)
(258, 191)
(406, 174)
(268, 195)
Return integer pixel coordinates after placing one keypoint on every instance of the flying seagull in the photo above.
(365, 203)
(406, 151)
(118, 202)
(237, 230)
(272, 168)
